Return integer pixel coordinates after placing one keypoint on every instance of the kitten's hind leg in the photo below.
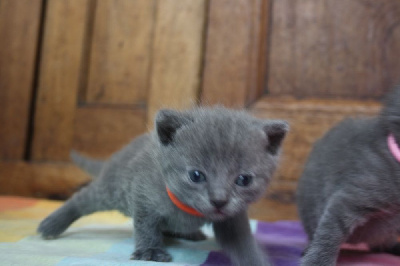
(83, 202)
(57, 222)
(195, 236)
(335, 226)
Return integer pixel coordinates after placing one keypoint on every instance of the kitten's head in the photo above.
(217, 160)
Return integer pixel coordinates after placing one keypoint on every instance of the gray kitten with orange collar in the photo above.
(349, 190)
(204, 165)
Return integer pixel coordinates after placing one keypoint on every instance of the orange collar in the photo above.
(181, 205)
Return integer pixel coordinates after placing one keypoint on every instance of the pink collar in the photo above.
(393, 147)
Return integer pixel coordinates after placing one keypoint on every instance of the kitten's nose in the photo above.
(219, 203)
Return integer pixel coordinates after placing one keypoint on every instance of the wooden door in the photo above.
(90, 76)
(311, 62)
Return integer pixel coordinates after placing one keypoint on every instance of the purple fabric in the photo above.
(284, 242)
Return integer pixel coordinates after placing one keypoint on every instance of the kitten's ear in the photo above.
(168, 122)
(275, 131)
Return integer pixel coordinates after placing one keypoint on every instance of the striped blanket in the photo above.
(106, 239)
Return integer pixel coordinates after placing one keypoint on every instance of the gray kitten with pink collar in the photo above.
(200, 166)
(349, 190)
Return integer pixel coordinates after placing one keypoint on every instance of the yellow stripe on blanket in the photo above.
(19, 217)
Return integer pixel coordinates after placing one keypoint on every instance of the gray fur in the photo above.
(221, 143)
(349, 190)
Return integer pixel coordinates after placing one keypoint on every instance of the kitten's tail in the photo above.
(92, 166)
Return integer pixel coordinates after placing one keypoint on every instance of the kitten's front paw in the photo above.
(50, 228)
(153, 254)
(57, 222)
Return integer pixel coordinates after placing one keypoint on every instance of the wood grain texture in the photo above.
(278, 203)
(19, 26)
(259, 40)
(59, 78)
(177, 54)
(120, 52)
(334, 48)
(309, 120)
(235, 51)
(100, 131)
(44, 180)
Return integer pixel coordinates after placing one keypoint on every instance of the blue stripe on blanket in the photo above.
(183, 252)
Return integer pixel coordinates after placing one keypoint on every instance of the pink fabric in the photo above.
(393, 147)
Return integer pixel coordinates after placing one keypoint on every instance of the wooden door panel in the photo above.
(19, 26)
(235, 58)
(119, 98)
(120, 52)
(101, 131)
(177, 55)
(334, 48)
(45, 180)
(59, 78)
(326, 51)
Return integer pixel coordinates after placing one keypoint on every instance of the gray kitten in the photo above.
(349, 190)
(213, 162)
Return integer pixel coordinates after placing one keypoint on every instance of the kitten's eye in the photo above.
(244, 180)
(197, 176)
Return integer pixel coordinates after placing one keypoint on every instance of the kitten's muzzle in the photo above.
(219, 204)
